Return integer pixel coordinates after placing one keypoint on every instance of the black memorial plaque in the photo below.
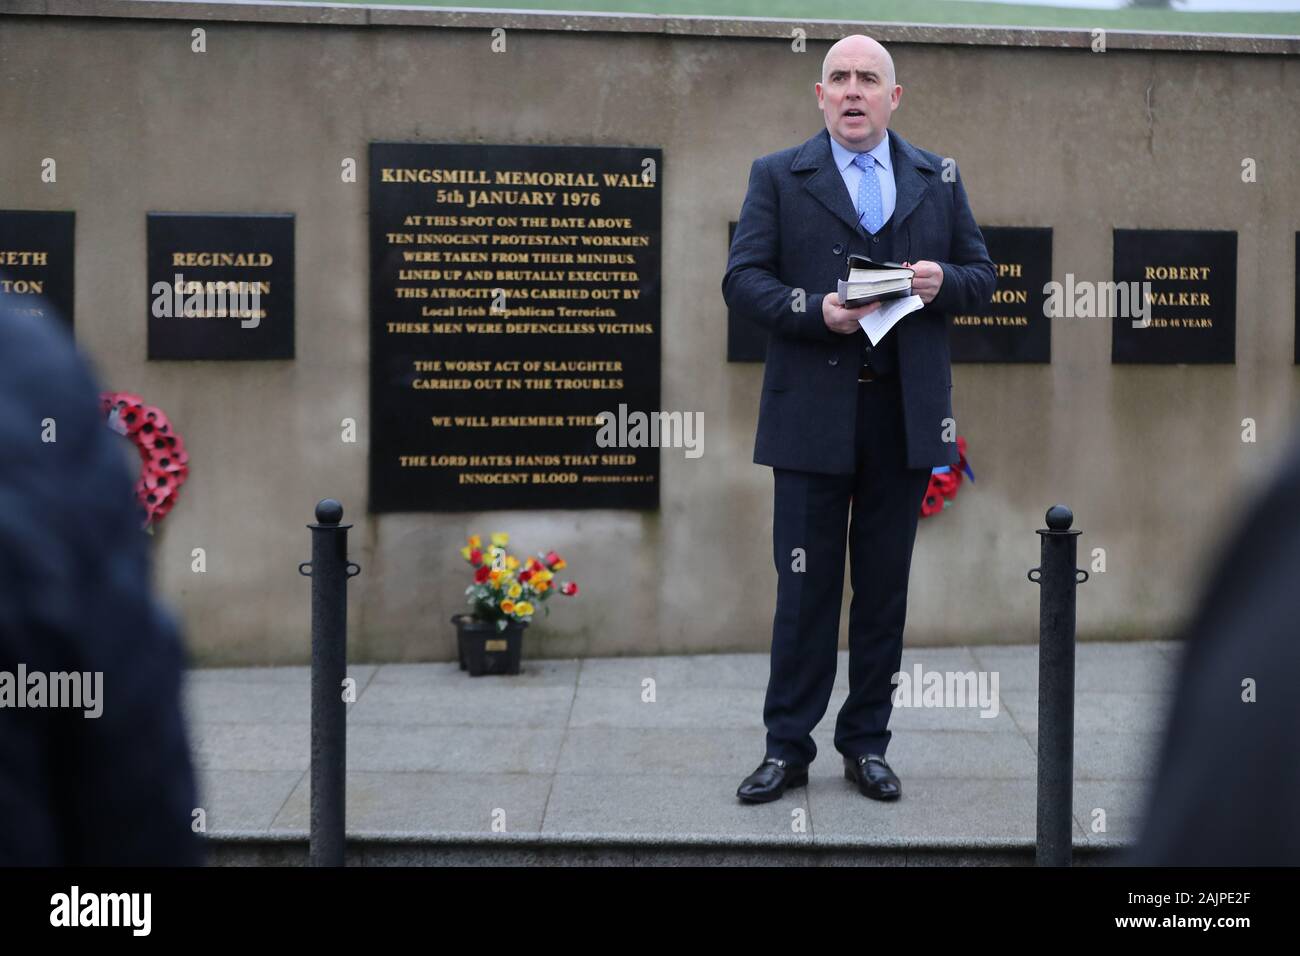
(514, 296)
(746, 339)
(220, 285)
(36, 262)
(1014, 326)
(1189, 279)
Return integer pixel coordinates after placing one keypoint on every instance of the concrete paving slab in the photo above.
(477, 702)
(361, 673)
(1123, 803)
(674, 806)
(686, 707)
(1099, 667)
(532, 673)
(679, 672)
(930, 812)
(1113, 756)
(928, 753)
(677, 751)
(244, 799)
(252, 702)
(453, 749)
(424, 802)
(1096, 711)
(741, 670)
(232, 747)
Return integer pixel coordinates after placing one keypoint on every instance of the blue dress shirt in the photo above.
(883, 166)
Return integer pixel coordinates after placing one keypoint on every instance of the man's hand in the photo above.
(928, 278)
(842, 320)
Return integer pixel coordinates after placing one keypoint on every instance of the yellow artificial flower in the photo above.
(507, 606)
(512, 562)
(559, 565)
(541, 586)
(543, 576)
(523, 609)
(515, 590)
(501, 538)
(475, 541)
(496, 574)
(464, 552)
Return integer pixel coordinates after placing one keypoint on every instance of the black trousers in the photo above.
(880, 504)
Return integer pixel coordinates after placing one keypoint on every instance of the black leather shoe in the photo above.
(874, 777)
(770, 781)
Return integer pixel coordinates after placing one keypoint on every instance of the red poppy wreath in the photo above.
(944, 483)
(164, 463)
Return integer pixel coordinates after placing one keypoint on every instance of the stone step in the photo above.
(255, 848)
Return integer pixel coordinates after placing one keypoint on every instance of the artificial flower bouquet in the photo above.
(504, 589)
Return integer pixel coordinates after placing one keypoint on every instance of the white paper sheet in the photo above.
(884, 318)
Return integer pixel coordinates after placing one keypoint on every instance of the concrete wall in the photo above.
(1150, 458)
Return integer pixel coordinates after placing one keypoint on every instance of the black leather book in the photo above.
(871, 281)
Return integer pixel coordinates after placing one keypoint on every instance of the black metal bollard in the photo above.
(329, 570)
(1057, 577)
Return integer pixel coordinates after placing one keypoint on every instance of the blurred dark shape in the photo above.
(75, 597)
(1227, 792)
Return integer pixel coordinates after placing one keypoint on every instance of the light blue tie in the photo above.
(871, 212)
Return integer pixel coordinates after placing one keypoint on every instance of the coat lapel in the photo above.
(826, 184)
(913, 174)
(912, 177)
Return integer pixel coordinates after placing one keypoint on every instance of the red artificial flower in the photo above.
(476, 557)
(525, 576)
(569, 588)
(551, 559)
(933, 502)
(166, 451)
(160, 483)
(131, 413)
(481, 574)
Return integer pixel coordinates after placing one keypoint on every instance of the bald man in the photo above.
(851, 431)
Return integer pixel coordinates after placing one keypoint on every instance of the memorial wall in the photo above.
(450, 265)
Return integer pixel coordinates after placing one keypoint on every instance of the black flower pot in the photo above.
(486, 650)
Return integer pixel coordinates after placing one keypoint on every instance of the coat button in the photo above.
(837, 248)
(833, 360)
(875, 239)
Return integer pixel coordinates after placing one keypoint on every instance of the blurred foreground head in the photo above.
(1228, 789)
(94, 760)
